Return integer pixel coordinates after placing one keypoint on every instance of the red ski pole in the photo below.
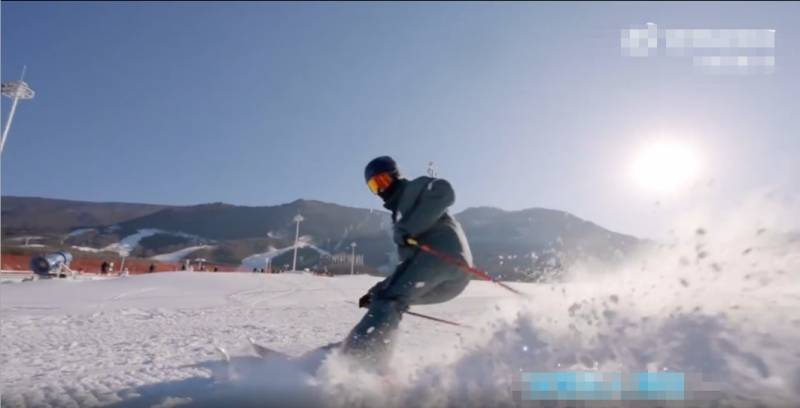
(463, 265)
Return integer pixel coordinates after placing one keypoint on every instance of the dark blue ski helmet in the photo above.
(378, 165)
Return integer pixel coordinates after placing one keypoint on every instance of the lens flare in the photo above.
(666, 167)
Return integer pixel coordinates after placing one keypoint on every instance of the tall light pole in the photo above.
(266, 259)
(298, 219)
(15, 90)
(353, 258)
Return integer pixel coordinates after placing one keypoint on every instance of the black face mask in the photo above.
(391, 196)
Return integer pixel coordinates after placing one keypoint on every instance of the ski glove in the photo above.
(365, 300)
(400, 237)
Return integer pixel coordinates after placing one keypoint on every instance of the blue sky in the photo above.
(519, 104)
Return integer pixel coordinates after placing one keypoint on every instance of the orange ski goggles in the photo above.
(380, 182)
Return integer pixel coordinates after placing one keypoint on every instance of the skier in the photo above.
(419, 211)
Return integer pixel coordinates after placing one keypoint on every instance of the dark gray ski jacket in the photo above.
(419, 210)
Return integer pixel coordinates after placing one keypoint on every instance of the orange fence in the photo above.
(11, 262)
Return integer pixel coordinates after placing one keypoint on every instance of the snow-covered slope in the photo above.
(259, 260)
(125, 246)
(150, 339)
(79, 231)
(720, 303)
(179, 254)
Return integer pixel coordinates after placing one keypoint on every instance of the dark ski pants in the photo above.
(421, 280)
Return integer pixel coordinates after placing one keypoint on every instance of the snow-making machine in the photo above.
(54, 264)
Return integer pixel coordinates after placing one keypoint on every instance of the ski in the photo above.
(223, 353)
(308, 362)
(266, 352)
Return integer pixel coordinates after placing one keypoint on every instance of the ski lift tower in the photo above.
(298, 219)
(15, 90)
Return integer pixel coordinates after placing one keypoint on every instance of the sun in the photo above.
(666, 167)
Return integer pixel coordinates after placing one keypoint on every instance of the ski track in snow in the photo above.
(723, 308)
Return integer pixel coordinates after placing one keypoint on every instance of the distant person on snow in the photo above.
(419, 211)
(152, 268)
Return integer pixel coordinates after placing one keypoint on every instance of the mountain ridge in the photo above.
(517, 243)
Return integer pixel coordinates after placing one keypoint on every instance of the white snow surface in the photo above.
(13, 276)
(721, 301)
(179, 254)
(87, 249)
